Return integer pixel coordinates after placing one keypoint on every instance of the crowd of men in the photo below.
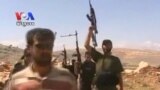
(36, 72)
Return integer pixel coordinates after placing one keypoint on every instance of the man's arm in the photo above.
(95, 54)
(119, 70)
(120, 81)
(88, 39)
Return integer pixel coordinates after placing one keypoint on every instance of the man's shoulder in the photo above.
(93, 50)
(60, 75)
(49, 84)
(21, 74)
(91, 62)
(60, 71)
(115, 57)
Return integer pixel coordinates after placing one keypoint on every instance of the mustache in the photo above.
(46, 54)
(43, 60)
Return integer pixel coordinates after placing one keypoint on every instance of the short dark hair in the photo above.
(40, 34)
(106, 41)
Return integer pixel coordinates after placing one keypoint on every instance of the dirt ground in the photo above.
(147, 79)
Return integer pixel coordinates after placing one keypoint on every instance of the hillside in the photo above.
(129, 57)
(9, 53)
(147, 79)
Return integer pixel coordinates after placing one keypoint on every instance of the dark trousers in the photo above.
(86, 84)
(107, 88)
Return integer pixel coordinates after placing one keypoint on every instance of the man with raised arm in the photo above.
(108, 67)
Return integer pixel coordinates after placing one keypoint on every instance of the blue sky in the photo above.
(128, 23)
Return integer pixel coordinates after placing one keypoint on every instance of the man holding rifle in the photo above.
(108, 67)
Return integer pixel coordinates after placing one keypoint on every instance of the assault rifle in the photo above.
(77, 48)
(92, 19)
(64, 53)
(78, 55)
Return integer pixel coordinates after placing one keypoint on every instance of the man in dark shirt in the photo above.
(88, 71)
(22, 63)
(105, 63)
(71, 68)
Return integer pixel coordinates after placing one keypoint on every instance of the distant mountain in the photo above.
(127, 56)
(134, 56)
(9, 53)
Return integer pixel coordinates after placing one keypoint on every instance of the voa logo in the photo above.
(25, 19)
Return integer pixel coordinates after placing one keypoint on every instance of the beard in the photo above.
(106, 51)
(43, 60)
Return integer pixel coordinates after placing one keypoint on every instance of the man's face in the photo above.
(107, 48)
(42, 51)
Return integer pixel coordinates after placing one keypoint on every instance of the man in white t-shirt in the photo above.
(41, 75)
